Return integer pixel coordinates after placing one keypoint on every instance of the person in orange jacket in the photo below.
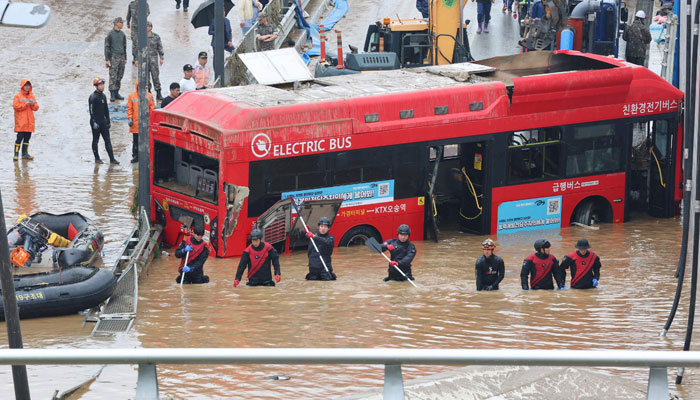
(24, 104)
(132, 112)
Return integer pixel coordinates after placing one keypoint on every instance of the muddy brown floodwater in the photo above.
(627, 311)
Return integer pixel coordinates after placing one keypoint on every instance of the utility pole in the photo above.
(14, 333)
(219, 41)
(143, 151)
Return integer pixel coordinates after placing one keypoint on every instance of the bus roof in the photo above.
(538, 78)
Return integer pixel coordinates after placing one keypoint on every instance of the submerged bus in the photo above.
(538, 140)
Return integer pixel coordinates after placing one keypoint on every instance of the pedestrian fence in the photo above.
(147, 359)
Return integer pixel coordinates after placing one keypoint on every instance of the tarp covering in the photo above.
(339, 10)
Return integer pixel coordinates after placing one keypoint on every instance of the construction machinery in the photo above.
(592, 26)
(405, 43)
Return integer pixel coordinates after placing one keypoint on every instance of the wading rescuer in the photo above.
(541, 266)
(490, 269)
(585, 267)
(257, 257)
(198, 254)
(402, 253)
(325, 243)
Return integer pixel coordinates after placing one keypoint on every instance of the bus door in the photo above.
(235, 196)
(662, 162)
(472, 202)
(311, 212)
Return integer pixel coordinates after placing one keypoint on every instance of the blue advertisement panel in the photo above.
(352, 195)
(529, 215)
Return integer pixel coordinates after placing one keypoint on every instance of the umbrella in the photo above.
(205, 12)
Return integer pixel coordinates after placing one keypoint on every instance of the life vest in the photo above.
(197, 249)
(257, 257)
(583, 265)
(542, 267)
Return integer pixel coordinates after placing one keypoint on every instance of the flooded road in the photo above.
(359, 310)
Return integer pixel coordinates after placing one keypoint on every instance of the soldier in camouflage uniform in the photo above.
(155, 57)
(265, 34)
(637, 37)
(115, 57)
(132, 22)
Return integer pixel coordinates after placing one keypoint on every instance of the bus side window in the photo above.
(534, 154)
(593, 149)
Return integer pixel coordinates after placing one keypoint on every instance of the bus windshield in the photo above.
(185, 172)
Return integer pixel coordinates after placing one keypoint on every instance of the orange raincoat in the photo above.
(24, 113)
(132, 108)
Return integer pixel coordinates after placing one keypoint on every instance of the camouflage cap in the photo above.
(118, 20)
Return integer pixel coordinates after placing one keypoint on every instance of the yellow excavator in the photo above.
(405, 43)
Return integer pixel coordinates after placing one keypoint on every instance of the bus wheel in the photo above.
(358, 235)
(591, 211)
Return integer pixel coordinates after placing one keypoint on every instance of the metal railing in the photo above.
(392, 359)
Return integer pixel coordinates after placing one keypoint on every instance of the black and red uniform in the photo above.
(584, 268)
(541, 268)
(489, 272)
(403, 253)
(196, 259)
(258, 260)
(325, 244)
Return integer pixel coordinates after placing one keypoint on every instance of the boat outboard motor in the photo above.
(37, 238)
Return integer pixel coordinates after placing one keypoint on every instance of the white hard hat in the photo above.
(640, 14)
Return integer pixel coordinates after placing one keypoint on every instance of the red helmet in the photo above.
(97, 81)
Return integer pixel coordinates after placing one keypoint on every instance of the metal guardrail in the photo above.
(287, 23)
(392, 359)
(120, 309)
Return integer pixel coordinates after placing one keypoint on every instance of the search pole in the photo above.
(219, 37)
(14, 333)
(143, 151)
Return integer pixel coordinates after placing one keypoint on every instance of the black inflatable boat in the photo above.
(62, 291)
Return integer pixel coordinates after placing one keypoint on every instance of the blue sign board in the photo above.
(529, 215)
(353, 195)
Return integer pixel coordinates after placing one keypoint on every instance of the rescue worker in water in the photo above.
(541, 266)
(490, 269)
(198, 253)
(325, 243)
(402, 254)
(585, 267)
(257, 257)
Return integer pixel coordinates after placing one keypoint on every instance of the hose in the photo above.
(689, 118)
(696, 228)
(470, 185)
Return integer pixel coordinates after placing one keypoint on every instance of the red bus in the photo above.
(532, 141)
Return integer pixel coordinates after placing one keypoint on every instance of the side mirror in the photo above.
(624, 14)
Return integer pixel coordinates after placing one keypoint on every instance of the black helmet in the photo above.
(542, 244)
(324, 221)
(256, 234)
(404, 230)
(583, 244)
(198, 230)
